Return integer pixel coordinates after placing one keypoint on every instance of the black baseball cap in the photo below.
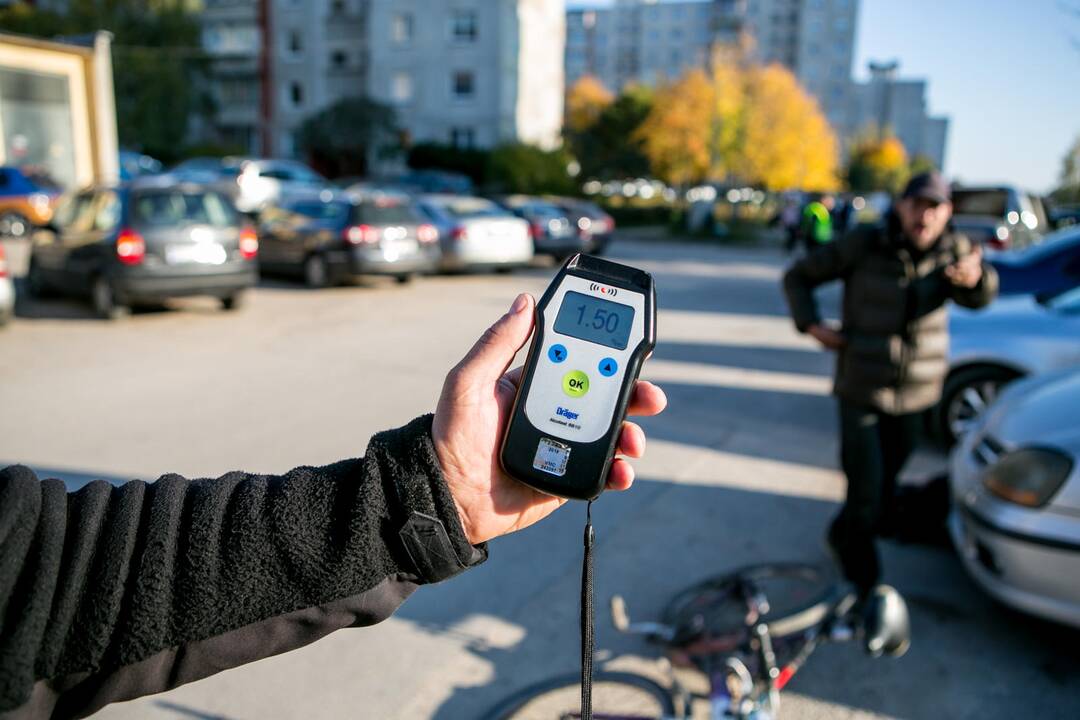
(929, 185)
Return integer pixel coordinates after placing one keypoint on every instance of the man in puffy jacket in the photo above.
(109, 593)
(892, 348)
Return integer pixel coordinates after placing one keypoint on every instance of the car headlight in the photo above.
(1028, 477)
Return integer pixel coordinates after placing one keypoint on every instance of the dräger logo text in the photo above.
(566, 413)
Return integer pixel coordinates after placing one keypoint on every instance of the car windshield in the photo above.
(980, 202)
(164, 208)
(41, 178)
(466, 208)
(385, 212)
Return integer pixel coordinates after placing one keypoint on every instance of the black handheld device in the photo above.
(595, 325)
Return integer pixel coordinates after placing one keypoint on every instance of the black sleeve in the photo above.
(113, 592)
(824, 264)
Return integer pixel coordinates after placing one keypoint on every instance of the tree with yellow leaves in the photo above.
(788, 143)
(585, 102)
(678, 134)
(878, 161)
(740, 122)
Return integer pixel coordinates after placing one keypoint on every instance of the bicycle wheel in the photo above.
(799, 596)
(616, 696)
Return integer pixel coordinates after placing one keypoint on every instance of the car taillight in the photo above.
(249, 243)
(361, 234)
(459, 233)
(3, 263)
(1000, 239)
(130, 247)
(427, 233)
(536, 230)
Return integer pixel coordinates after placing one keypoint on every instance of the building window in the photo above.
(463, 26)
(296, 94)
(339, 59)
(337, 6)
(464, 84)
(463, 138)
(296, 42)
(401, 87)
(401, 28)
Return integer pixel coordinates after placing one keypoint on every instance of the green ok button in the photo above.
(575, 383)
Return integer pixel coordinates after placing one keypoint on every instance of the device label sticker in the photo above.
(551, 457)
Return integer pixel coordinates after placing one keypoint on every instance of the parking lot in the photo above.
(741, 468)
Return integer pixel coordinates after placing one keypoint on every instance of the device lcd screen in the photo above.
(599, 321)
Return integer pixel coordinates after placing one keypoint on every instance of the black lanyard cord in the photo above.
(588, 639)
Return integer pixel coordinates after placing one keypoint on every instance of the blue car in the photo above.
(1045, 270)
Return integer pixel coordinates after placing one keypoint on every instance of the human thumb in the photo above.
(495, 350)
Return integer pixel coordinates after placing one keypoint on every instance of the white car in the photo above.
(1017, 336)
(1015, 482)
(477, 233)
(7, 290)
(251, 183)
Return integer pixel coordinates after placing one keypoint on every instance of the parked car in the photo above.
(475, 233)
(144, 242)
(1046, 269)
(329, 237)
(7, 291)
(1016, 336)
(1000, 218)
(27, 198)
(136, 165)
(1015, 483)
(594, 226)
(1063, 217)
(552, 232)
(251, 183)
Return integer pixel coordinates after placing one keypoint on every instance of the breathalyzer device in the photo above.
(595, 325)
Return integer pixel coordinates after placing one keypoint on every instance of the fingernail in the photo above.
(519, 304)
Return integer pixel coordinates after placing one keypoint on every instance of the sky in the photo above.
(1006, 73)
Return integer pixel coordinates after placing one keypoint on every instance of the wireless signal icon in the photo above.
(603, 290)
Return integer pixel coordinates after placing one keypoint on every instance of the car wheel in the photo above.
(104, 299)
(233, 302)
(13, 225)
(316, 274)
(967, 393)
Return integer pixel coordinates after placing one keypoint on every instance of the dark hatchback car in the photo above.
(549, 225)
(594, 226)
(142, 243)
(331, 237)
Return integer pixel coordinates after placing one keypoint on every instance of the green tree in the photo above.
(1069, 190)
(157, 63)
(522, 168)
(609, 147)
(472, 162)
(341, 137)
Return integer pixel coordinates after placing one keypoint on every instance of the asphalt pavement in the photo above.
(740, 469)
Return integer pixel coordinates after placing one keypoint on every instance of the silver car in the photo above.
(475, 233)
(1016, 497)
(251, 183)
(1016, 336)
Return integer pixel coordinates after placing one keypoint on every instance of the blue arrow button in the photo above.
(557, 353)
(608, 367)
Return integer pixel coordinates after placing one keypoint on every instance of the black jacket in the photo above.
(109, 593)
(894, 321)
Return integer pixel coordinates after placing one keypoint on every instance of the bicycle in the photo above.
(748, 632)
